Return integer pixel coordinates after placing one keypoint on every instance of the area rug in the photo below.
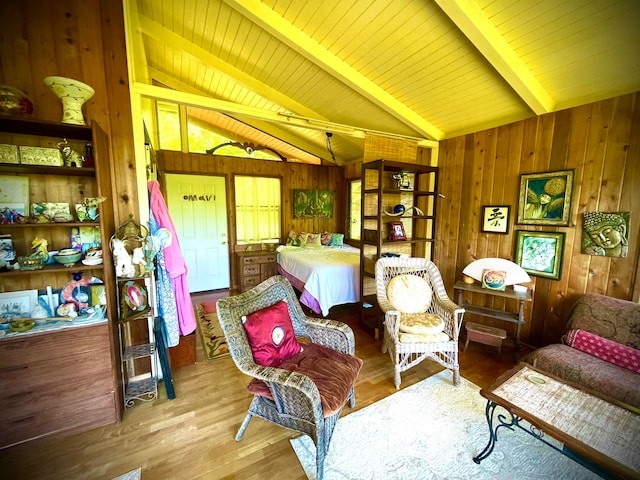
(213, 341)
(132, 475)
(432, 430)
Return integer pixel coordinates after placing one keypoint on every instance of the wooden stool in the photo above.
(484, 334)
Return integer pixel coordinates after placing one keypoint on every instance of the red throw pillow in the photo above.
(603, 348)
(271, 335)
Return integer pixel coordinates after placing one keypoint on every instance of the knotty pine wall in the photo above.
(85, 41)
(293, 176)
(601, 141)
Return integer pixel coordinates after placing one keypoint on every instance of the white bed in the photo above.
(326, 276)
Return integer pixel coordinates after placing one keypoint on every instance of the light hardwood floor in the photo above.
(193, 436)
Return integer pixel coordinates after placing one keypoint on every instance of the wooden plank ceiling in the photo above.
(425, 69)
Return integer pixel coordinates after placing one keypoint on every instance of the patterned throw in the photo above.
(213, 341)
(605, 349)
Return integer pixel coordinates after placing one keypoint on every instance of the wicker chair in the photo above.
(407, 355)
(295, 402)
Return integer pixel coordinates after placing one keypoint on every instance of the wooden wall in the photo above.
(293, 175)
(81, 40)
(601, 141)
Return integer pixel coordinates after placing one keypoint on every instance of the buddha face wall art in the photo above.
(606, 233)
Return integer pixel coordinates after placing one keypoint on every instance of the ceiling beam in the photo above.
(195, 100)
(476, 26)
(262, 125)
(291, 36)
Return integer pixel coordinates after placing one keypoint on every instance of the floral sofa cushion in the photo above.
(591, 372)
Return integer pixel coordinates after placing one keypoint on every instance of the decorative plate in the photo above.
(135, 296)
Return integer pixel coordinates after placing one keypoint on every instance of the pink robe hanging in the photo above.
(174, 261)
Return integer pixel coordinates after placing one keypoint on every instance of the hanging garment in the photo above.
(176, 266)
(165, 295)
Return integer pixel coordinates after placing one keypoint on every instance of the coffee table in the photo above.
(598, 432)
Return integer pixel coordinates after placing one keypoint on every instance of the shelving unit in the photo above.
(137, 386)
(385, 185)
(69, 372)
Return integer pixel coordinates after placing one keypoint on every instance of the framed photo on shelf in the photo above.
(397, 231)
(545, 198)
(19, 303)
(540, 253)
(495, 218)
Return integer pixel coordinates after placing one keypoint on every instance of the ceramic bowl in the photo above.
(68, 260)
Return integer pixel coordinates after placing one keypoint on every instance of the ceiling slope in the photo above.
(417, 69)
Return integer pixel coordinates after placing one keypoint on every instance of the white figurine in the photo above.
(124, 265)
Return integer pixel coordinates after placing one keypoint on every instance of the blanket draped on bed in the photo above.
(331, 275)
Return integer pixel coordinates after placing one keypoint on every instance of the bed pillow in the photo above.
(296, 239)
(605, 349)
(332, 239)
(336, 240)
(271, 335)
(313, 240)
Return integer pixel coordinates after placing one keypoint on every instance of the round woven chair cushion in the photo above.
(421, 323)
(409, 293)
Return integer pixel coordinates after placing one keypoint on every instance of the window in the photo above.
(258, 212)
(169, 126)
(355, 210)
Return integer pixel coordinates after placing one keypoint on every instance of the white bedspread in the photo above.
(330, 274)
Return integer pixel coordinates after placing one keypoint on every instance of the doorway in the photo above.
(198, 207)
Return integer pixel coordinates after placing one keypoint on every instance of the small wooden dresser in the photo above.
(255, 267)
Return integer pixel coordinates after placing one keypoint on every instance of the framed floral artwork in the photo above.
(540, 253)
(495, 218)
(545, 198)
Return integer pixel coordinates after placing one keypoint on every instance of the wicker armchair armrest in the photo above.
(451, 313)
(331, 333)
(392, 319)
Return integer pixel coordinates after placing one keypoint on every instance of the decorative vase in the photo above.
(73, 94)
(14, 101)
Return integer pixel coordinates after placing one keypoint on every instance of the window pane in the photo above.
(169, 126)
(257, 209)
(355, 212)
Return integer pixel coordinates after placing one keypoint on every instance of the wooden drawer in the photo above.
(68, 417)
(250, 282)
(261, 258)
(249, 270)
(56, 375)
(49, 346)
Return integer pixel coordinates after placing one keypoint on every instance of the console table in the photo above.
(517, 318)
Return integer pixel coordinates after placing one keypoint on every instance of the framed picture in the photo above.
(397, 231)
(545, 198)
(313, 203)
(495, 218)
(18, 304)
(494, 279)
(540, 253)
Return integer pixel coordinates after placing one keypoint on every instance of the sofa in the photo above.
(600, 348)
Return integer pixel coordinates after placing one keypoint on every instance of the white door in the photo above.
(198, 208)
